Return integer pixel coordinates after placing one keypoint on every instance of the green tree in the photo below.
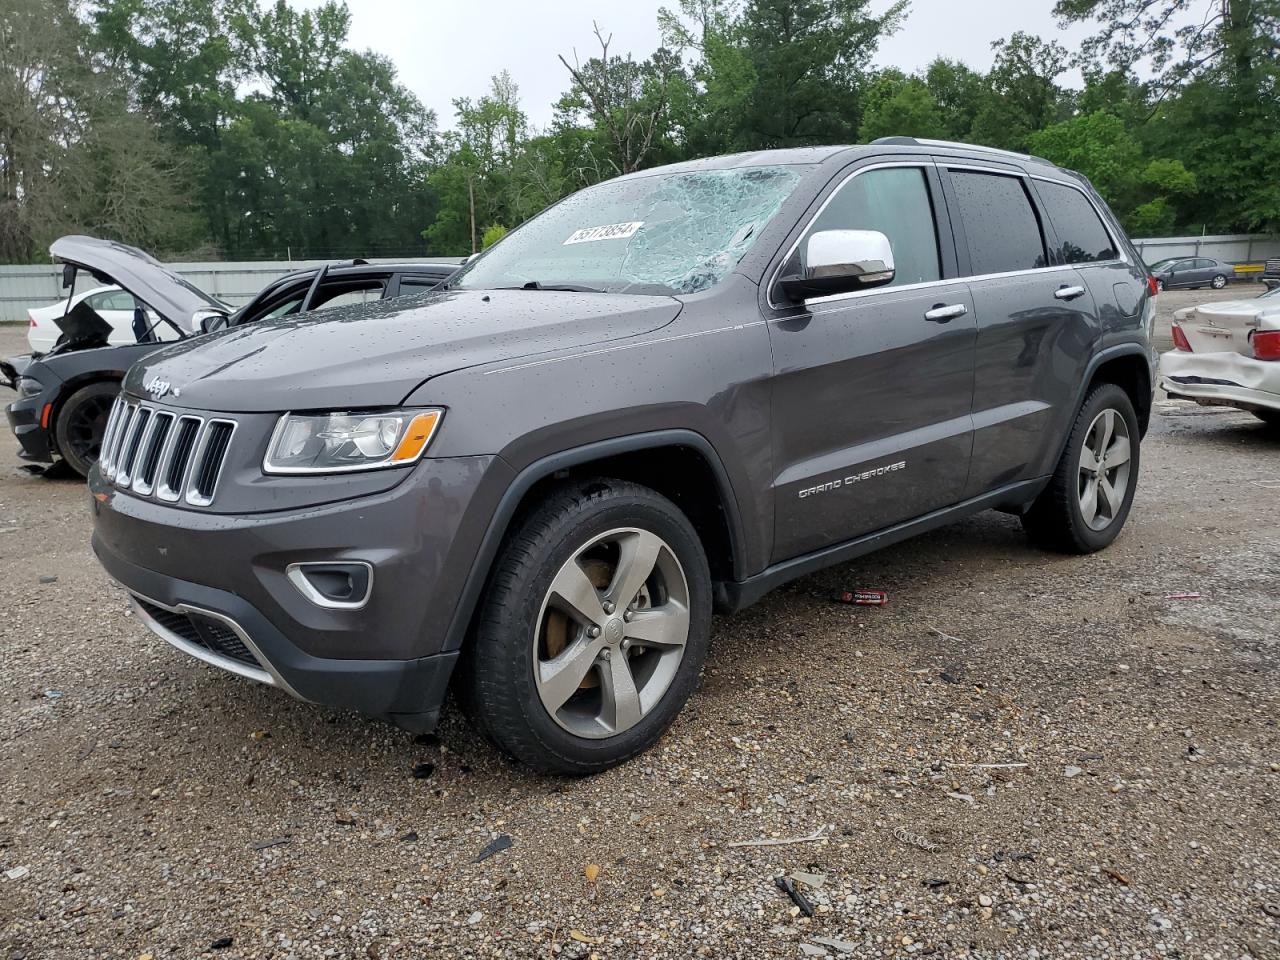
(74, 156)
(779, 73)
(1025, 95)
(900, 105)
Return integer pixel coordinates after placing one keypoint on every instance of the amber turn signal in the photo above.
(416, 437)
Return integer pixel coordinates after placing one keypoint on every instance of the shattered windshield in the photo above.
(675, 233)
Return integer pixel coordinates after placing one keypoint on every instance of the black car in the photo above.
(1192, 272)
(64, 395)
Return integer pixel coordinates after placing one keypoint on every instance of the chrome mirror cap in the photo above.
(840, 261)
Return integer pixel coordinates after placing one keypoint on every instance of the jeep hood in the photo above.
(376, 354)
(141, 274)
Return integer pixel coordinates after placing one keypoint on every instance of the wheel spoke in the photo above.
(665, 626)
(1089, 500)
(560, 678)
(638, 554)
(621, 707)
(573, 592)
(1106, 427)
(1088, 460)
(1117, 453)
(1110, 494)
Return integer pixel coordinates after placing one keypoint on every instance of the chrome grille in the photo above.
(173, 456)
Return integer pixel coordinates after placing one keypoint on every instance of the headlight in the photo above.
(342, 442)
(27, 387)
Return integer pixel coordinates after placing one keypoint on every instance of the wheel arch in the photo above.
(1129, 368)
(645, 458)
(67, 389)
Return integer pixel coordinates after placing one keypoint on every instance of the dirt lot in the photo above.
(1094, 766)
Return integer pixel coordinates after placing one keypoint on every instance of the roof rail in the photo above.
(994, 151)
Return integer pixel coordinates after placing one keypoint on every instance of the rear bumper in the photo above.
(1222, 378)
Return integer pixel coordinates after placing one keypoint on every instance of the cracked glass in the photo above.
(674, 233)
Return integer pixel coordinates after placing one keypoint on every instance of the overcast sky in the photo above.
(440, 58)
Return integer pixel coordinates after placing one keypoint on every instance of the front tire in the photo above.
(81, 422)
(1085, 505)
(593, 630)
(1270, 417)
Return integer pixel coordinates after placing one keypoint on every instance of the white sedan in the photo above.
(114, 305)
(1227, 354)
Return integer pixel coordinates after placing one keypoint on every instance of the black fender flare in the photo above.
(1131, 349)
(576, 456)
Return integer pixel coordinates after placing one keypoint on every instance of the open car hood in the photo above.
(142, 275)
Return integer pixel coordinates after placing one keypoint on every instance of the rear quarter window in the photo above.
(1082, 237)
(1000, 224)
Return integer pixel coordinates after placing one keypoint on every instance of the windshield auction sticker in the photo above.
(611, 231)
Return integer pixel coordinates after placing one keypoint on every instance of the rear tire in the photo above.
(565, 673)
(1219, 282)
(1270, 417)
(81, 422)
(1085, 505)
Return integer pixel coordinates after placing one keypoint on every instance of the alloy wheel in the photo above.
(1219, 282)
(86, 425)
(1104, 469)
(611, 633)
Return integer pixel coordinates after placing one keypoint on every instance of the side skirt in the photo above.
(732, 596)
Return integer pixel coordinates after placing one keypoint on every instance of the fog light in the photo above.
(342, 585)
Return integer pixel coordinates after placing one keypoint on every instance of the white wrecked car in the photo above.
(1227, 354)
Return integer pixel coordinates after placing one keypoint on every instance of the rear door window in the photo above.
(1082, 237)
(894, 201)
(1000, 224)
(348, 293)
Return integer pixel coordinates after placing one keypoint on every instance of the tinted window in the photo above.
(1205, 264)
(347, 294)
(1000, 224)
(894, 201)
(412, 285)
(1081, 236)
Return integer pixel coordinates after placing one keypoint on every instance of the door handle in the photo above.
(944, 313)
(1068, 293)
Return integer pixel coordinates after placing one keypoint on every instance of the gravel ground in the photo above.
(1021, 756)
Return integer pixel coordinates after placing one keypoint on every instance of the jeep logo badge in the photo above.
(157, 388)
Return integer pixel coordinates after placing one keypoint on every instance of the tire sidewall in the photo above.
(99, 388)
(1106, 396)
(595, 518)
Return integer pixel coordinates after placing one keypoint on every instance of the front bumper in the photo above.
(216, 586)
(1222, 378)
(26, 420)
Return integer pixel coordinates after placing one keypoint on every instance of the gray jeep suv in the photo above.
(666, 394)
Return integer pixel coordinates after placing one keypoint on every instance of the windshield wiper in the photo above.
(569, 287)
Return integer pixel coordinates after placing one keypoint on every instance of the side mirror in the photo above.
(841, 261)
(210, 322)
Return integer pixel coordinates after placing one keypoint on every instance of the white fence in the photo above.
(25, 286)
